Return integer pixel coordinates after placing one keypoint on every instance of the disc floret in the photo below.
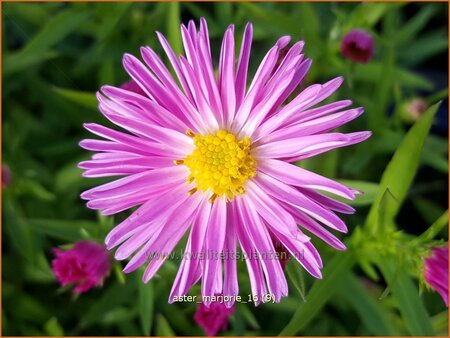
(220, 163)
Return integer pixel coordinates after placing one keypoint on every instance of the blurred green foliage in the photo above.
(56, 55)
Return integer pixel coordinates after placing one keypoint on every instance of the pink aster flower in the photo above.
(212, 157)
(436, 271)
(213, 318)
(357, 45)
(85, 265)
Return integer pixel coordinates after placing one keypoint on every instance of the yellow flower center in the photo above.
(221, 163)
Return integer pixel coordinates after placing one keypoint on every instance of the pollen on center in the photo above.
(220, 162)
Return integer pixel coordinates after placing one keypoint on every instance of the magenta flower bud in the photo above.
(357, 45)
(132, 86)
(85, 265)
(214, 318)
(6, 176)
(436, 271)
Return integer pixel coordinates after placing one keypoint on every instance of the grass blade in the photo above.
(410, 305)
(320, 293)
(399, 174)
(370, 311)
(146, 297)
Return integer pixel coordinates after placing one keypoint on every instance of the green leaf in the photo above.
(106, 74)
(38, 48)
(109, 24)
(435, 228)
(223, 11)
(410, 30)
(280, 22)
(399, 173)
(435, 161)
(320, 293)
(249, 317)
(40, 270)
(162, 327)
(407, 295)
(17, 61)
(173, 27)
(425, 47)
(386, 209)
(369, 189)
(59, 27)
(440, 323)
(119, 316)
(84, 99)
(370, 311)
(34, 188)
(62, 229)
(112, 297)
(370, 73)
(412, 80)
(119, 273)
(145, 304)
(296, 275)
(429, 210)
(369, 13)
(18, 229)
(53, 328)
(376, 112)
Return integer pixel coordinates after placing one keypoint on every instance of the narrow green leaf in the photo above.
(106, 74)
(62, 229)
(109, 23)
(17, 61)
(320, 293)
(440, 323)
(34, 188)
(407, 295)
(435, 161)
(162, 327)
(38, 49)
(369, 13)
(173, 27)
(376, 114)
(18, 229)
(53, 328)
(119, 274)
(223, 11)
(60, 26)
(400, 171)
(40, 271)
(435, 228)
(386, 209)
(425, 47)
(370, 73)
(435, 97)
(249, 317)
(412, 80)
(112, 297)
(296, 276)
(370, 311)
(369, 189)
(409, 31)
(146, 298)
(428, 209)
(279, 21)
(84, 99)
